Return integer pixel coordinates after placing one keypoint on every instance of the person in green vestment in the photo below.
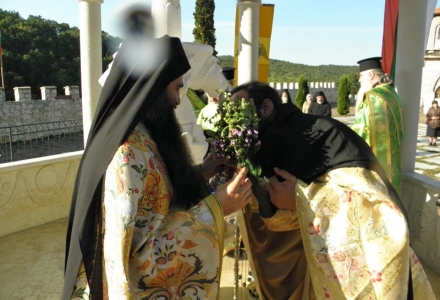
(378, 118)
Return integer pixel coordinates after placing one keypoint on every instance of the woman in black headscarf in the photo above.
(142, 223)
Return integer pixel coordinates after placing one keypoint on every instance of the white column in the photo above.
(91, 58)
(167, 18)
(409, 63)
(249, 16)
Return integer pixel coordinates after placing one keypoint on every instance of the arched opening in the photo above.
(437, 93)
(437, 38)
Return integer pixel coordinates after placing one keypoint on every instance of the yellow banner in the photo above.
(265, 33)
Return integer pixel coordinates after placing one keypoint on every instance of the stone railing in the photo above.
(50, 108)
(36, 140)
(419, 196)
(36, 191)
(329, 88)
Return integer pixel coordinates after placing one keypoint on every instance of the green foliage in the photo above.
(343, 107)
(226, 60)
(110, 45)
(354, 83)
(39, 52)
(283, 71)
(303, 90)
(204, 31)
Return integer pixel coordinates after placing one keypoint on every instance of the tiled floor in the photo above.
(31, 265)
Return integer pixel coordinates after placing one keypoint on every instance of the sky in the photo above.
(312, 32)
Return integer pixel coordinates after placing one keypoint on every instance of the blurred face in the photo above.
(173, 91)
(284, 97)
(320, 99)
(435, 105)
(365, 79)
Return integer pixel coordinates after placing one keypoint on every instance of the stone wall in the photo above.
(50, 108)
(329, 88)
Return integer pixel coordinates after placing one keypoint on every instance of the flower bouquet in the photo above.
(235, 133)
(437, 204)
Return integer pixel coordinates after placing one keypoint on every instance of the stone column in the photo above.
(249, 17)
(409, 64)
(91, 58)
(72, 90)
(48, 92)
(22, 93)
(167, 18)
(2, 94)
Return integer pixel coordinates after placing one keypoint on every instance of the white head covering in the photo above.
(205, 73)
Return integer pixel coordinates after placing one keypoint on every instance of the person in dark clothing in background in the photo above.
(320, 105)
(285, 96)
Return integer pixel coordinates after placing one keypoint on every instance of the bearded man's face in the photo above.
(366, 84)
(365, 80)
(163, 125)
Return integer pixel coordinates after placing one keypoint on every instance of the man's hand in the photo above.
(282, 194)
(235, 193)
(212, 165)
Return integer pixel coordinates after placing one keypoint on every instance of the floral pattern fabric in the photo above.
(356, 239)
(152, 251)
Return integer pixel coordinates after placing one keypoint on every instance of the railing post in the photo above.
(10, 144)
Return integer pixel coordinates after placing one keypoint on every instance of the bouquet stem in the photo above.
(219, 179)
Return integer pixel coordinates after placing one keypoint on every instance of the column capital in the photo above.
(248, 2)
(92, 1)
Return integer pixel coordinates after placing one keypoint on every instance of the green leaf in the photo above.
(136, 168)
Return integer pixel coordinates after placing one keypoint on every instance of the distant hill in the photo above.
(284, 71)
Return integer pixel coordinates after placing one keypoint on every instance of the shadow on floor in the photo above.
(32, 262)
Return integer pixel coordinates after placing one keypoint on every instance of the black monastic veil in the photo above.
(125, 97)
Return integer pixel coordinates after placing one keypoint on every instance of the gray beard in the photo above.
(365, 87)
(360, 96)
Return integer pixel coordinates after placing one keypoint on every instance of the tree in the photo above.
(39, 52)
(343, 95)
(204, 31)
(303, 90)
(354, 83)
